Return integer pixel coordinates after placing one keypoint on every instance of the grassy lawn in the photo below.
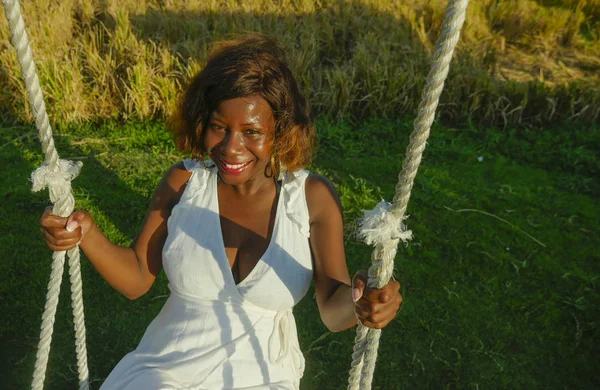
(500, 283)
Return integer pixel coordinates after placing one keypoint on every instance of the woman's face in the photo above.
(239, 138)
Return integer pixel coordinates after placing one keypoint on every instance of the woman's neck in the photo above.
(253, 186)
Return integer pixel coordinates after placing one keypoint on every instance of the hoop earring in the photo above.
(272, 168)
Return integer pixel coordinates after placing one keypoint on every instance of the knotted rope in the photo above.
(56, 174)
(383, 226)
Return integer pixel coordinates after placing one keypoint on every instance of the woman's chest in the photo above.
(247, 228)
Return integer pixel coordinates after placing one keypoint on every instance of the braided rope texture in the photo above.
(55, 174)
(380, 272)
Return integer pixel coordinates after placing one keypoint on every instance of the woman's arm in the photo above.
(332, 280)
(131, 271)
(339, 305)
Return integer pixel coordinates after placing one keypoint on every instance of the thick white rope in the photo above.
(55, 174)
(383, 226)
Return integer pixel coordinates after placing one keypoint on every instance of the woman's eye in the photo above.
(252, 132)
(214, 126)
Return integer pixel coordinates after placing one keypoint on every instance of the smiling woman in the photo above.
(240, 240)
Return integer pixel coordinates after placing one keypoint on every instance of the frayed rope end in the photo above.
(380, 226)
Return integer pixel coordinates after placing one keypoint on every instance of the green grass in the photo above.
(486, 305)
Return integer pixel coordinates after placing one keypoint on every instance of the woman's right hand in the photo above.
(61, 233)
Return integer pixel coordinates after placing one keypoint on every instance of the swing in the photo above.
(382, 227)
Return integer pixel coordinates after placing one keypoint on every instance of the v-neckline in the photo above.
(261, 262)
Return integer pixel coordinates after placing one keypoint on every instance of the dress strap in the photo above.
(198, 180)
(294, 197)
(191, 163)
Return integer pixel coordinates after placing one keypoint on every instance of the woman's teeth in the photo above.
(234, 166)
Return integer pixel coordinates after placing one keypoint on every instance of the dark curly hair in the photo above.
(249, 65)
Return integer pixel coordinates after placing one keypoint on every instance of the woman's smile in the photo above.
(231, 168)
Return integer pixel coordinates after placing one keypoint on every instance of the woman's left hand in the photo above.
(375, 308)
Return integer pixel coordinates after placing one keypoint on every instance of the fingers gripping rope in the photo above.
(55, 174)
(384, 226)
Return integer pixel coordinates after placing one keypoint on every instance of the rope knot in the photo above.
(380, 226)
(59, 181)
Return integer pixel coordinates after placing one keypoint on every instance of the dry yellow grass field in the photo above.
(519, 61)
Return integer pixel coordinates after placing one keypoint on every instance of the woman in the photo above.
(240, 239)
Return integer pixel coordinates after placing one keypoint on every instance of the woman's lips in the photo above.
(233, 169)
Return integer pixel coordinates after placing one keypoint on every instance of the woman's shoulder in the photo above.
(321, 195)
(178, 175)
(320, 187)
(174, 183)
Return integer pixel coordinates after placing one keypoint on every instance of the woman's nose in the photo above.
(233, 143)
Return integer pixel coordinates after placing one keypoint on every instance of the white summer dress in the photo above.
(211, 333)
